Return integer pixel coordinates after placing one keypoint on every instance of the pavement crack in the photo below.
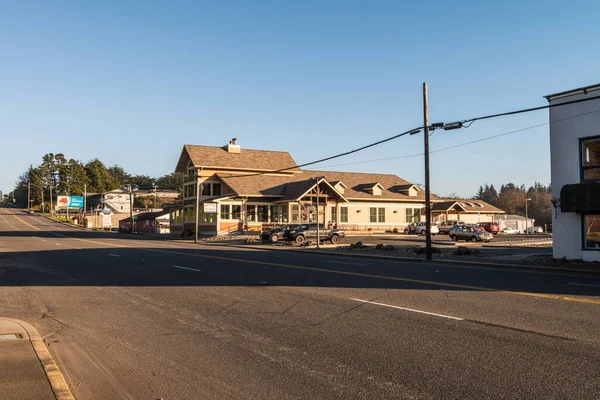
(290, 307)
(338, 315)
(226, 307)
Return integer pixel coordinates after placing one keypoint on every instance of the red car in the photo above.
(491, 227)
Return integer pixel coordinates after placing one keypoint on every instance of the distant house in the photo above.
(149, 222)
(575, 171)
(243, 189)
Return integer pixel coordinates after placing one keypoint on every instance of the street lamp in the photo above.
(526, 215)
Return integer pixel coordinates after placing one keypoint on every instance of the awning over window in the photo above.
(580, 198)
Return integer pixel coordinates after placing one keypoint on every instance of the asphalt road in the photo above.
(131, 318)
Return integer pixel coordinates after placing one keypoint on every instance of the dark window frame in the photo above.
(583, 168)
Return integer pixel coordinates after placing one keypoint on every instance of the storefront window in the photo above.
(263, 213)
(591, 227)
(250, 213)
(590, 159)
(225, 211)
(295, 210)
(236, 212)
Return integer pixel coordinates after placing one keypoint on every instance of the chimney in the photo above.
(233, 146)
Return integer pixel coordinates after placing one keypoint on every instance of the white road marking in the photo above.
(583, 284)
(43, 240)
(58, 244)
(409, 309)
(114, 255)
(341, 262)
(190, 269)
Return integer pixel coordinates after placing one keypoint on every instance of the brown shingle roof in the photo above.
(247, 159)
(475, 207)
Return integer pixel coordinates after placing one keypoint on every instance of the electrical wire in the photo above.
(468, 121)
(462, 144)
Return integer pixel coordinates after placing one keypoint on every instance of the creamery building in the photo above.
(253, 190)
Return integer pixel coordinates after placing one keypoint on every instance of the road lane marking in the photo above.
(34, 227)
(365, 275)
(347, 263)
(58, 244)
(189, 269)
(582, 284)
(409, 309)
(114, 255)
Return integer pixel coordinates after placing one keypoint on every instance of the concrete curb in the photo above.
(422, 260)
(55, 378)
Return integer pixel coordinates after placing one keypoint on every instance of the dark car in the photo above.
(300, 233)
(472, 233)
(491, 227)
(276, 234)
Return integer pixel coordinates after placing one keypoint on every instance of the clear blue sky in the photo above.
(131, 82)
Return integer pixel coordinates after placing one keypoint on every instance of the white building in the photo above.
(575, 165)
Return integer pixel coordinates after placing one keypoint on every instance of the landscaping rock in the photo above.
(390, 247)
(380, 246)
(434, 250)
(462, 251)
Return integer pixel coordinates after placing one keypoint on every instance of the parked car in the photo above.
(275, 234)
(535, 229)
(30, 212)
(299, 233)
(445, 226)
(420, 228)
(471, 233)
(510, 231)
(491, 227)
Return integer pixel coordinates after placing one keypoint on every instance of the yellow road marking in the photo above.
(34, 227)
(365, 275)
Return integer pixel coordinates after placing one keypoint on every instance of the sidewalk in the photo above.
(27, 371)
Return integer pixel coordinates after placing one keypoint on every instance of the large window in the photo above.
(343, 214)
(206, 189)
(225, 211)
(236, 212)
(263, 213)
(279, 213)
(381, 214)
(250, 213)
(373, 214)
(413, 215)
(212, 189)
(295, 212)
(590, 159)
(591, 226)
(377, 214)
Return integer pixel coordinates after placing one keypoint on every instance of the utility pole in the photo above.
(84, 201)
(43, 206)
(526, 216)
(154, 204)
(318, 232)
(131, 208)
(50, 198)
(427, 189)
(28, 194)
(197, 210)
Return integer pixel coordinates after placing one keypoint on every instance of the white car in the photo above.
(535, 229)
(510, 231)
(420, 229)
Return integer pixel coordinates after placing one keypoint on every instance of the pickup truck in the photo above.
(299, 233)
(445, 226)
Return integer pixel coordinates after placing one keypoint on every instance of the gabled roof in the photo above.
(246, 160)
(473, 206)
(335, 183)
(148, 215)
(446, 206)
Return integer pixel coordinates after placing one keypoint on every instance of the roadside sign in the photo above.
(106, 210)
(71, 202)
(210, 208)
(106, 221)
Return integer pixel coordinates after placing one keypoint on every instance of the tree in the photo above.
(119, 174)
(141, 182)
(171, 181)
(100, 180)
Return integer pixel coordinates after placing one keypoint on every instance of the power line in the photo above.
(416, 130)
(462, 144)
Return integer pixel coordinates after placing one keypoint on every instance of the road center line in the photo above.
(114, 255)
(347, 263)
(409, 309)
(189, 269)
(582, 284)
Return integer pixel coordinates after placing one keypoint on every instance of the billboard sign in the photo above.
(210, 208)
(71, 202)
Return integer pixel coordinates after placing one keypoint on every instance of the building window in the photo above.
(381, 214)
(206, 189)
(216, 189)
(343, 214)
(413, 215)
(189, 214)
(207, 218)
(590, 159)
(236, 212)
(295, 212)
(263, 213)
(250, 213)
(225, 211)
(373, 214)
(591, 229)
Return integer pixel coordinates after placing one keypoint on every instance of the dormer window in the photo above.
(376, 189)
(339, 186)
(407, 190)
